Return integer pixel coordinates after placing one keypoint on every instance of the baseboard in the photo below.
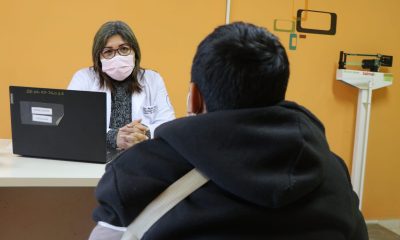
(371, 221)
(391, 224)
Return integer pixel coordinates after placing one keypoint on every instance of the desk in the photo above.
(18, 171)
(44, 199)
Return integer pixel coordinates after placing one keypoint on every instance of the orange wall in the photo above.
(44, 42)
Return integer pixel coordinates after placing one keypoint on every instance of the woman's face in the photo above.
(116, 45)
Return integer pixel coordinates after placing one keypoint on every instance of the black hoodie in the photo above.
(272, 176)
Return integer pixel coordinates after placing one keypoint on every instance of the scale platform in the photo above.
(364, 79)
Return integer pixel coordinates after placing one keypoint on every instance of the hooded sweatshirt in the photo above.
(272, 176)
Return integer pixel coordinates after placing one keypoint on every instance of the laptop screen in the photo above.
(58, 124)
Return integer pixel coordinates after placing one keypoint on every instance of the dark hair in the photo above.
(106, 31)
(240, 65)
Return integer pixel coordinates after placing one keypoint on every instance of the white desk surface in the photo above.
(18, 171)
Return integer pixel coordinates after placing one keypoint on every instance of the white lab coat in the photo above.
(152, 105)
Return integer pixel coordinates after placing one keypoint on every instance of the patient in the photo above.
(272, 174)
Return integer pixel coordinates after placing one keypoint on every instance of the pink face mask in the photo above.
(118, 67)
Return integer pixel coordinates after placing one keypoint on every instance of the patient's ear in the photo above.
(195, 101)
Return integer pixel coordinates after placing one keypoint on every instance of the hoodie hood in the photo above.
(269, 156)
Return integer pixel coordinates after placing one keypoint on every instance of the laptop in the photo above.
(59, 124)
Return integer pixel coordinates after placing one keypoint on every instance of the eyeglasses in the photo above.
(123, 50)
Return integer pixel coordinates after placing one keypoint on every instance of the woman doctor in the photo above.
(137, 100)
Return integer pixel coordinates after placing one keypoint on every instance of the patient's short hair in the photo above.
(240, 65)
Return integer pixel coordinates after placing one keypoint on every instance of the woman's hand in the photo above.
(131, 134)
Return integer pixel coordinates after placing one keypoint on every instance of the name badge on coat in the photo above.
(149, 111)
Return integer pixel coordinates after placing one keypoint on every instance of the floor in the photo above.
(378, 232)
